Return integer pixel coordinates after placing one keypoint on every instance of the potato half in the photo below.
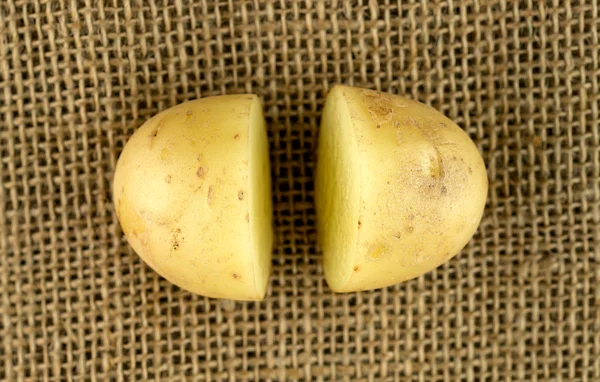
(400, 189)
(192, 192)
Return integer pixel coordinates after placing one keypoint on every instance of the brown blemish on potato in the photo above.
(380, 114)
(356, 269)
(154, 133)
(188, 116)
(248, 217)
(398, 235)
(163, 222)
(236, 276)
(176, 239)
(237, 136)
(381, 106)
(444, 190)
(209, 195)
(199, 157)
(359, 224)
(241, 195)
(200, 172)
(410, 229)
(168, 178)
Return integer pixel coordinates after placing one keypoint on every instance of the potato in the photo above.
(192, 193)
(399, 189)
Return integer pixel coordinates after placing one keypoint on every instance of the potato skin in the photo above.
(423, 188)
(181, 190)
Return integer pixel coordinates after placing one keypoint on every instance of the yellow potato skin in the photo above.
(182, 194)
(422, 188)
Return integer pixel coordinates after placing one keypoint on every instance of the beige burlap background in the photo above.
(521, 302)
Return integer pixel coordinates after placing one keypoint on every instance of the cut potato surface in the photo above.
(192, 192)
(400, 189)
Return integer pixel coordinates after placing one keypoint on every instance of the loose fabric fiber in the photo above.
(519, 303)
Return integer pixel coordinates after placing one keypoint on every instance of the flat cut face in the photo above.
(400, 189)
(337, 190)
(260, 198)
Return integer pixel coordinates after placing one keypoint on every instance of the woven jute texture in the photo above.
(520, 302)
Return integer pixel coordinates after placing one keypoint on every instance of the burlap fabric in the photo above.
(521, 302)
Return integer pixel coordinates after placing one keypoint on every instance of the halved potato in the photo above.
(192, 192)
(400, 189)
